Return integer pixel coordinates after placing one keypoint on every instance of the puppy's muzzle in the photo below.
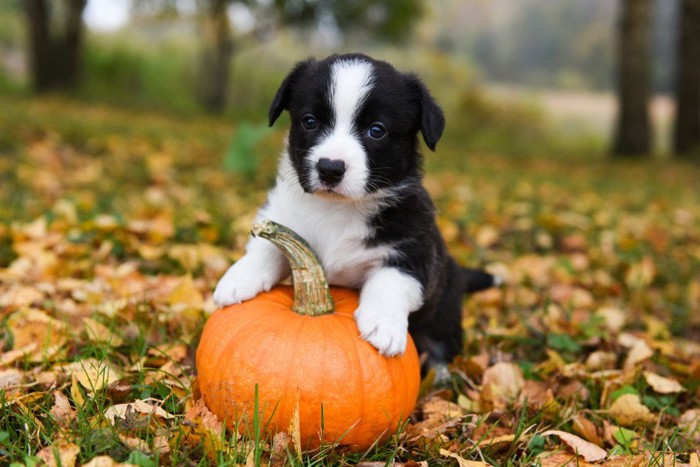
(330, 171)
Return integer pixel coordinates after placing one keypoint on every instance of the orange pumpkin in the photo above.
(347, 392)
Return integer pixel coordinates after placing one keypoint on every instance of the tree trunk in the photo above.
(55, 44)
(633, 131)
(687, 127)
(216, 60)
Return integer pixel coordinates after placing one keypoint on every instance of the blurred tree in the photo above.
(55, 42)
(383, 19)
(216, 54)
(633, 130)
(687, 126)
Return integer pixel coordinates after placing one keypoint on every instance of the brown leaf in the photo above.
(628, 410)
(587, 429)
(62, 411)
(589, 451)
(562, 459)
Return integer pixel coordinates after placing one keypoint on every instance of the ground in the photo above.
(116, 224)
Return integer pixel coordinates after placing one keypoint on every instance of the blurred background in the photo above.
(514, 76)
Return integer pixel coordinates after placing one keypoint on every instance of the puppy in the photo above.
(349, 182)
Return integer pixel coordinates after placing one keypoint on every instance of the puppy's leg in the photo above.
(262, 267)
(386, 299)
(437, 327)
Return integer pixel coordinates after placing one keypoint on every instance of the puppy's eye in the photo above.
(309, 122)
(376, 131)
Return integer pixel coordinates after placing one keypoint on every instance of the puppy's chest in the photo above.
(336, 231)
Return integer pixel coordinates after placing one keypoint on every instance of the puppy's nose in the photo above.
(330, 171)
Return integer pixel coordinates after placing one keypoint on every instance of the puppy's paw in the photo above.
(384, 329)
(241, 283)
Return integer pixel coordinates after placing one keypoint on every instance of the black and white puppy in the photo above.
(349, 182)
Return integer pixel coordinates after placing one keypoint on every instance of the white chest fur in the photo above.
(336, 229)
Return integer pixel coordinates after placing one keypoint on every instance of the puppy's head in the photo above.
(354, 124)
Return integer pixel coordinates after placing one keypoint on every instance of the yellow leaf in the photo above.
(34, 329)
(186, 295)
(98, 332)
(75, 393)
(94, 375)
(628, 410)
(589, 451)
(67, 454)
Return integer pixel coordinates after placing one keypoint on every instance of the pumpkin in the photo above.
(299, 349)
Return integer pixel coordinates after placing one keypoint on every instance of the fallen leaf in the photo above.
(98, 332)
(139, 406)
(185, 295)
(105, 461)
(628, 410)
(639, 352)
(503, 381)
(589, 451)
(62, 411)
(95, 375)
(295, 429)
(663, 385)
(587, 429)
(67, 455)
(462, 462)
(561, 459)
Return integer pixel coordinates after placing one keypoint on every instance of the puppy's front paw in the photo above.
(384, 329)
(241, 283)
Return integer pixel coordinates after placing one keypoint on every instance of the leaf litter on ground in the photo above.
(111, 242)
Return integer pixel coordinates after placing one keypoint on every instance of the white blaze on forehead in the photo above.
(351, 81)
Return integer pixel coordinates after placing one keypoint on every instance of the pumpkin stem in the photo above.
(312, 296)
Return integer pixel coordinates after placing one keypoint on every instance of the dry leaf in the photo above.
(562, 459)
(138, 406)
(587, 429)
(503, 381)
(628, 410)
(639, 352)
(67, 455)
(589, 451)
(61, 411)
(462, 462)
(295, 429)
(105, 461)
(185, 295)
(95, 375)
(663, 385)
(98, 332)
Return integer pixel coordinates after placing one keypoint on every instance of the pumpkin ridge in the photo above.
(285, 401)
(352, 333)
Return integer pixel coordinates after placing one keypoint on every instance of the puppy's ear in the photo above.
(432, 120)
(281, 100)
